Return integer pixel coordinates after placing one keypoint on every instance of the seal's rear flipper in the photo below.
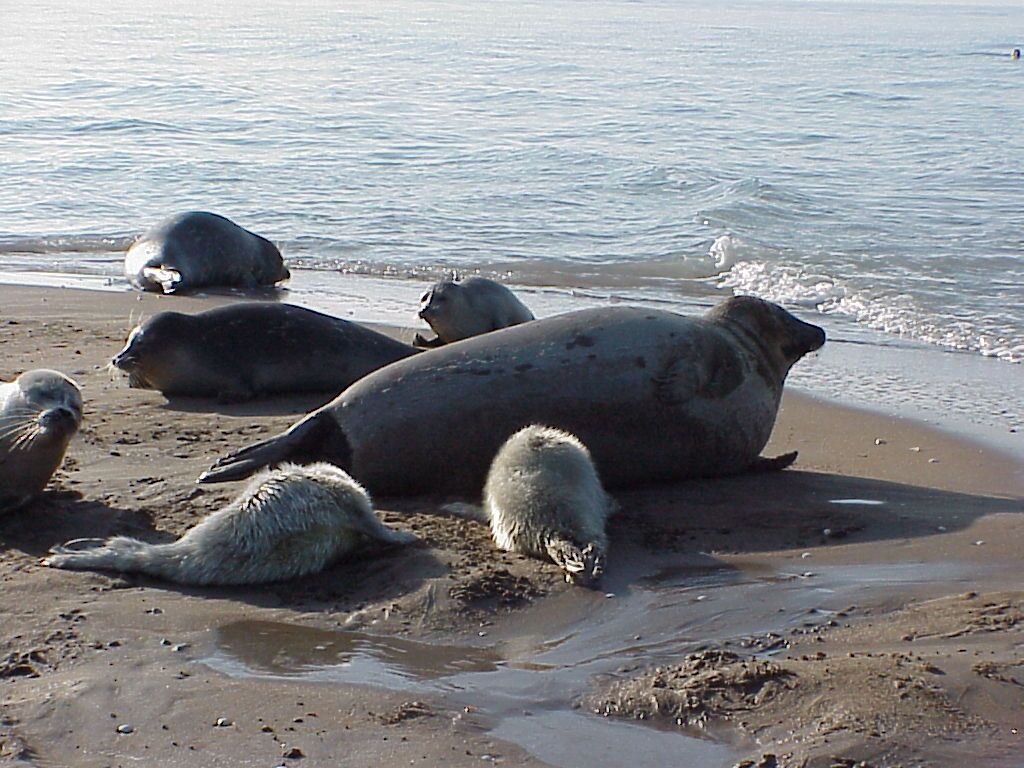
(774, 464)
(316, 438)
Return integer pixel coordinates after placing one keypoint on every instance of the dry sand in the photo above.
(863, 606)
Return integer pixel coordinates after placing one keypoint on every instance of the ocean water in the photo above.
(859, 162)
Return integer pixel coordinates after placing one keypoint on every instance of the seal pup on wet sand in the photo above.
(543, 498)
(40, 412)
(476, 305)
(252, 349)
(196, 249)
(290, 521)
(654, 396)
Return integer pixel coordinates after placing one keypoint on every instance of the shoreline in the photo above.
(758, 565)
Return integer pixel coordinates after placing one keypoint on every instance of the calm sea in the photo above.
(860, 162)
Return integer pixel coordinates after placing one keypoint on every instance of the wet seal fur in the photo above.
(654, 396)
(40, 412)
(197, 249)
(290, 521)
(543, 498)
(476, 305)
(252, 349)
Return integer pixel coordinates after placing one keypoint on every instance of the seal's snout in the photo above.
(59, 419)
(125, 359)
(803, 339)
(813, 337)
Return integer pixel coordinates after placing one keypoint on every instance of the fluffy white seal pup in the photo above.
(476, 305)
(290, 521)
(40, 412)
(543, 498)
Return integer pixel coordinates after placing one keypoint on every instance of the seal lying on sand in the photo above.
(252, 349)
(290, 521)
(195, 249)
(543, 498)
(653, 395)
(476, 305)
(40, 412)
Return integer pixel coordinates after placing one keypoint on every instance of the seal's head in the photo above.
(440, 306)
(48, 410)
(434, 301)
(782, 337)
(152, 353)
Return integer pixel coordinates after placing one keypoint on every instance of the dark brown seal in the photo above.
(654, 395)
(198, 249)
(253, 349)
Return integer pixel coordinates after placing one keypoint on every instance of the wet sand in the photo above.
(865, 605)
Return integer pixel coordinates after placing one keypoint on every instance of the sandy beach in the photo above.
(862, 608)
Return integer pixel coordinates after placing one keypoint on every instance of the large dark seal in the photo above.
(252, 349)
(290, 521)
(196, 249)
(653, 395)
(476, 305)
(40, 412)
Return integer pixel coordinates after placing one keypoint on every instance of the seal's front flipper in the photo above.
(420, 341)
(316, 438)
(582, 565)
(773, 464)
(168, 279)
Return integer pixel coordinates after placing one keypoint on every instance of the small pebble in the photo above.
(222, 722)
(933, 461)
(180, 647)
(125, 728)
(805, 555)
(609, 595)
(979, 542)
(879, 441)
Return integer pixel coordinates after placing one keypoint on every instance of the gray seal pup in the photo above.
(474, 306)
(197, 249)
(40, 412)
(655, 396)
(252, 349)
(543, 498)
(290, 521)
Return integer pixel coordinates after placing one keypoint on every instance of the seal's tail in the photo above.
(316, 438)
(119, 553)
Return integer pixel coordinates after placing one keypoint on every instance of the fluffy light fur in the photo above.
(290, 521)
(543, 498)
(460, 310)
(40, 412)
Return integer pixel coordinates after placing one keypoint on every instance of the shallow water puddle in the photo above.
(274, 650)
(858, 502)
(525, 688)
